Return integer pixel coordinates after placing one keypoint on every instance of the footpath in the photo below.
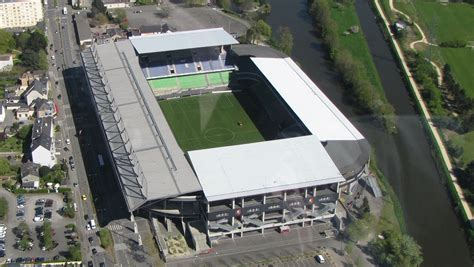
(425, 113)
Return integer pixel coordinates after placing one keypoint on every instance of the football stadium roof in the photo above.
(144, 131)
(308, 102)
(182, 40)
(257, 168)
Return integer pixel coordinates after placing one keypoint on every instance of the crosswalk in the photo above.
(114, 227)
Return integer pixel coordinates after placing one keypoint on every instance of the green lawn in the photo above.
(461, 60)
(466, 141)
(210, 120)
(345, 17)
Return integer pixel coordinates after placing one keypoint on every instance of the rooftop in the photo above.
(320, 116)
(41, 133)
(181, 40)
(162, 162)
(256, 168)
(82, 27)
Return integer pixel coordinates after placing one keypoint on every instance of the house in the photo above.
(43, 108)
(83, 31)
(25, 80)
(110, 4)
(37, 89)
(111, 35)
(30, 175)
(42, 142)
(6, 62)
(154, 29)
(14, 106)
(2, 113)
(23, 113)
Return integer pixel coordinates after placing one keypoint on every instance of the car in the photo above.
(320, 259)
(38, 219)
(40, 201)
(88, 227)
(94, 251)
(75, 184)
(48, 215)
(84, 197)
(90, 239)
(20, 219)
(20, 206)
(68, 142)
(39, 259)
(66, 149)
(56, 257)
(101, 264)
(48, 203)
(9, 260)
(90, 264)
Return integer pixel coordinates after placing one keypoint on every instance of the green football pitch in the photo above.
(211, 120)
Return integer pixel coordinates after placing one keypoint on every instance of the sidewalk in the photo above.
(427, 116)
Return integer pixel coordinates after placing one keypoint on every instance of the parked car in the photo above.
(48, 203)
(94, 251)
(320, 259)
(40, 201)
(38, 219)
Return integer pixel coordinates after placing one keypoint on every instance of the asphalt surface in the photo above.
(75, 115)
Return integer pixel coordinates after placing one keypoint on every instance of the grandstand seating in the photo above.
(177, 63)
(190, 81)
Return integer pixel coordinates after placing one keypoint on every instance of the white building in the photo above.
(42, 142)
(6, 62)
(20, 13)
(30, 175)
(36, 89)
(2, 113)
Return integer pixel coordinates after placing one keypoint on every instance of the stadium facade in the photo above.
(294, 178)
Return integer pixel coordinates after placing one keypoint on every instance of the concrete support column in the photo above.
(312, 206)
(284, 210)
(233, 218)
(242, 216)
(263, 213)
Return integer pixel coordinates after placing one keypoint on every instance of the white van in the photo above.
(93, 226)
(75, 207)
(320, 259)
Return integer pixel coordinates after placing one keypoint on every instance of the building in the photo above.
(6, 62)
(154, 29)
(2, 112)
(20, 13)
(292, 178)
(43, 108)
(42, 142)
(23, 113)
(82, 29)
(110, 4)
(29, 172)
(36, 89)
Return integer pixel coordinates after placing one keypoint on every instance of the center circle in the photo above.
(219, 135)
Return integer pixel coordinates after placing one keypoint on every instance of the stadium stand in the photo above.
(184, 62)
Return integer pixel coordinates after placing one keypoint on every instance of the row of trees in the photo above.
(396, 249)
(352, 72)
(260, 31)
(426, 77)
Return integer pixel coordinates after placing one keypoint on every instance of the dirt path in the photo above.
(423, 40)
(426, 114)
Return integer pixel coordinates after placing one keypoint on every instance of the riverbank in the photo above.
(433, 134)
(339, 28)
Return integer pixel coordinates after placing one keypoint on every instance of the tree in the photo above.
(98, 7)
(57, 128)
(396, 250)
(105, 237)
(4, 166)
(74, 253)
(47, 235)
(7, 43)
(192, 3)
(24, 132)
(3, 208)
(42, 60)
(101, 18)
(360, 228)
(44, 171)
(22, 40)
(37, 41)
(224, 4)
(119, 15)
(15, 126)
(284, 40)
(258, 32)
(30, 59)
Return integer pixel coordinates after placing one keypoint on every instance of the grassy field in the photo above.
(207, 121)
(345, 17)
(460, 60)
(466, 141)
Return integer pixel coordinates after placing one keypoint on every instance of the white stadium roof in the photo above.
(257, 168)
(313, 108)
(182, 40)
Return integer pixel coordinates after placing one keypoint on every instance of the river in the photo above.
(405, 158)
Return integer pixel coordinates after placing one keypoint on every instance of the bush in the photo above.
(396, 250)
(74, 253)
(3, 208)
(105, 237)
(454, 43)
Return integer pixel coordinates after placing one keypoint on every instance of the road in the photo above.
(61, 35)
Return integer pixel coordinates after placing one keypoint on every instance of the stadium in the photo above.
(218, 139)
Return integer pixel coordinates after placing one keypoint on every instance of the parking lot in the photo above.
(27, 215)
